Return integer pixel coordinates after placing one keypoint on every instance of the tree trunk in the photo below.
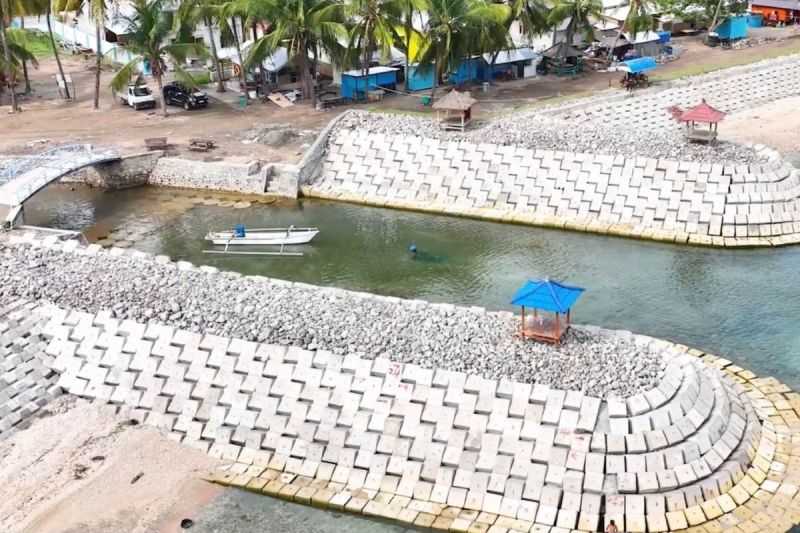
(160, 84)
(435, 80)
(365, 58)
(55, 52)
(314, 67)
(242, 77)
(261, 70)
(98, 64)
(215, 57)
(7, 55)
(308, 82)
(25, 63)
(407, 29)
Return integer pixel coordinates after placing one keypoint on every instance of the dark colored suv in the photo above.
(178, 94)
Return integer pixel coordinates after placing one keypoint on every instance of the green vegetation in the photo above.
(150, 37)
(732, 60)
(38, 43)
(199, 78)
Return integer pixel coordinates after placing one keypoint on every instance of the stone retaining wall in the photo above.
(131, 171)
(709, 204)
(218, 176)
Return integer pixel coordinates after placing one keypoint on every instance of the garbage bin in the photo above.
(426, 100)
(485, 86)
(242, 100)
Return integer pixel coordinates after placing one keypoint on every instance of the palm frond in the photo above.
(123, 77)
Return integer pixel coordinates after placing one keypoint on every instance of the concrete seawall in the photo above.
(683, 202)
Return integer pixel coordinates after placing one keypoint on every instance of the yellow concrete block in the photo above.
(257, 483)
(272, 488)
(374, 508)
(355, 505)
(726, 503)
(486, 518)
(694, 515)
(288, 492)
(711, 509)
(407, 516)
(460, 525)
(441, 523)
(478, 527)
(322, 497)
(304, 495)
(677, 520)
(241, 481)
(424, 520)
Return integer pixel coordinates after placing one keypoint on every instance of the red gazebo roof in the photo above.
(702, 113)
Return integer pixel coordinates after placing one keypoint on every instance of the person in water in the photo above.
(612, 527)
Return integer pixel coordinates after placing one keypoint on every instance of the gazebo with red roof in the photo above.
(702, 114)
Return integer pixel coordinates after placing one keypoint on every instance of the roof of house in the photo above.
(702, 112)
(455, 101)
(562, 49)
(780, 4)
(547, 295)
(358, 73)
(512, 56)
(643, 37)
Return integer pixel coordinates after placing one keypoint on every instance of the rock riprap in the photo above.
(133, 285)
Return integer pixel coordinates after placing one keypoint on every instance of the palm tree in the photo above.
(210, 13)
(9, 62)
(580, 14)
(373, 25)
(638, 20)
(233, 11)
(303, 27)
(457, 29)
(149, 32)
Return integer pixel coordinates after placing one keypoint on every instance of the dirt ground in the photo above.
(46, 119)
(776, 124)
(73, 470)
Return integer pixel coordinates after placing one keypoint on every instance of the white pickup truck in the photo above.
(138, 97)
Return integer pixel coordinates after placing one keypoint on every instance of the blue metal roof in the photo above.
(548, 295)
(642, 64)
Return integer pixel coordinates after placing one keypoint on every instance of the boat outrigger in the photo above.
(261, 237)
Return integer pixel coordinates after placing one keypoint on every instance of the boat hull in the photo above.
(273, 238)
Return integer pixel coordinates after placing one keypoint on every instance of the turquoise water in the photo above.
(742, 304)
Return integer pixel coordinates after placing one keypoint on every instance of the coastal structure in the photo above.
(709, 446)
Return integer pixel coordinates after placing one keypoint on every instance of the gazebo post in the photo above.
(558, 329)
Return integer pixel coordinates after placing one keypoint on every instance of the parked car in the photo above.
(138, 97)
(178, 94)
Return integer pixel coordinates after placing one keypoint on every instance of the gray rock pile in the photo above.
(537, 130)
(599, 362)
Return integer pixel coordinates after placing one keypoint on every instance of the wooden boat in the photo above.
(263, 236)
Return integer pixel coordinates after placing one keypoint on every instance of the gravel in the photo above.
(536, 130)
(598, 362)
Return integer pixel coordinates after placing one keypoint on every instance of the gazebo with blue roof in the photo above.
(546, 295)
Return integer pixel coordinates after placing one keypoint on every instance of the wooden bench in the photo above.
(156, 143)
(201, 145)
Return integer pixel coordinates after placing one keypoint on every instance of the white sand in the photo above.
(39, 491)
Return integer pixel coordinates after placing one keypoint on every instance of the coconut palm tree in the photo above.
(150, 38)
(457, 29)
(373, 25)
(580, 14)
(409, 33)
(230, 13)
(303, 27)
(212, 14)
(639, 19)
(9, 61)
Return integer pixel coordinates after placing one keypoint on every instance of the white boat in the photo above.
(263, 236)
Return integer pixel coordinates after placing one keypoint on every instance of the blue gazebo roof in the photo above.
(641, 64)
(548, 295)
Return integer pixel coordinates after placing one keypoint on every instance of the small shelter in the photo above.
(515, 63)
(356, 85)
(732, 28)
(645, 43)
(549, 296)
(561, 59)
(699, 114)
(454, 111)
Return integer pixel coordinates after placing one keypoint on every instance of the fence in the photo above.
(72, 35)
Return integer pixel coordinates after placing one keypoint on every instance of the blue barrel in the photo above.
(239, 230)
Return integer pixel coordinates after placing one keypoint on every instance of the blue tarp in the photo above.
(547, 295)
(733, 28)
(642, 64)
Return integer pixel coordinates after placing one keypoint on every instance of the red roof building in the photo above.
(702, 113)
